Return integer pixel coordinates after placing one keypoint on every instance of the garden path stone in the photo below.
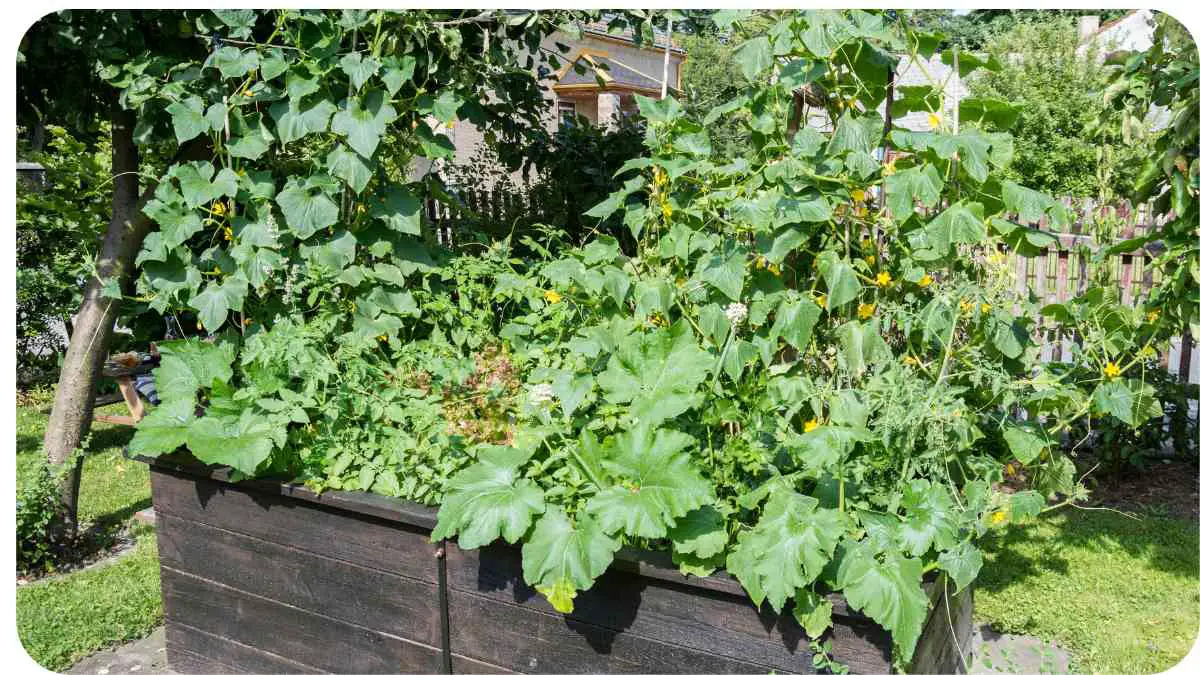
(147, 656)
(993, 652)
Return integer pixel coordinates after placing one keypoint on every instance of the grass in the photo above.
(63, 620)
(1122, 595)
(66, 618)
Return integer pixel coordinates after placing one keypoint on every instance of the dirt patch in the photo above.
(1164, 487)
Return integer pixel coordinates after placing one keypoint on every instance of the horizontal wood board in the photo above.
(265, 577)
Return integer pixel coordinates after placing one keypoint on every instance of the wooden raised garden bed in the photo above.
(260, 576)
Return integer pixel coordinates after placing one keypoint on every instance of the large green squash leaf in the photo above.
(488, 500)
(189, 365)
(654, 480)
(363, 123)
(930, 518)
(656, 373)
(563, 557)
(164, 429)
(701, 533)
(240, 441)
(889, 592)
(789, 546)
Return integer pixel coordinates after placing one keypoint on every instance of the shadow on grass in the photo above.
(1021, 552)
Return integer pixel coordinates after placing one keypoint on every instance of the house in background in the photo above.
(597, 79)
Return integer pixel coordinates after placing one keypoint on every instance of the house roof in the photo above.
(617, 74)
(603, 29)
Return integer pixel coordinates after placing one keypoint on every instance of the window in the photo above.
(566, 112)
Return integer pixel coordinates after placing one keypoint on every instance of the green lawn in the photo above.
(1122, 595)
(62, 620)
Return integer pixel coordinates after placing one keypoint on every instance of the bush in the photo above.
(43, 537)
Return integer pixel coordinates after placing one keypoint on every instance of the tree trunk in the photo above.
(75, 397)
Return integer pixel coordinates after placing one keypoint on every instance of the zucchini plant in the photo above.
(808, 369)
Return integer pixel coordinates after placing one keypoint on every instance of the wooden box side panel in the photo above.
(946, 639)
(631, 623)
(267, 584)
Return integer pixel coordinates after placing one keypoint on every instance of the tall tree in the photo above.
(73, 69)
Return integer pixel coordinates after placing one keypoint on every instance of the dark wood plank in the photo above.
(363, 540)
(937, 651)
(371, 598)
(366, 503)
(314, 640)
(190, 650)
(720, 624)
(532, 641)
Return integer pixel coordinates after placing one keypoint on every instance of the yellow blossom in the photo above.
(1111, 370)
(859, 196)
(966, 307)
(228, 233)
(889, 168)
(216, 269)
(1011, 468)
(660, 177)
(820, 300)
(667, 211)
(218, 208)
(867, 244)
(1152, 315)
(247, 93)
(925, 281)
(382, 338)
(552, 296)
(999, 517)
(935, 120)
(247, 321)
(883, 279)
(362, 208)
(450, 124)
(774, 269)
(985, 308)
(810, 425)
(910, 360)
(865, 311)
(761, 262)
(870, 260)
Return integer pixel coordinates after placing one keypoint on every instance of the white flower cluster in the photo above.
(736, 313)
(541, 394)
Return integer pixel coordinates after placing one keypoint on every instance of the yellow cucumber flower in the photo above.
(1111, 370)
(883, 279)
(865, 311)
(811, 424)
(552, 296)
(925, 281)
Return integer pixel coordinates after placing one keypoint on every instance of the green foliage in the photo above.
(773, 375)
(1140, 86)
(58, 227)
(43, 539)
(1056, 90)
(63, 620)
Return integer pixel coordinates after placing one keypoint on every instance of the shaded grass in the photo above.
(1123, 595)
(63, 620)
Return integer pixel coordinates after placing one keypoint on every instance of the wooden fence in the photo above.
(1062, 272)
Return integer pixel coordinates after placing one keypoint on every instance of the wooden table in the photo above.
(124, 377)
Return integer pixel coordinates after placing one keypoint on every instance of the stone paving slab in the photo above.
(145, 656)
(994, 653)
